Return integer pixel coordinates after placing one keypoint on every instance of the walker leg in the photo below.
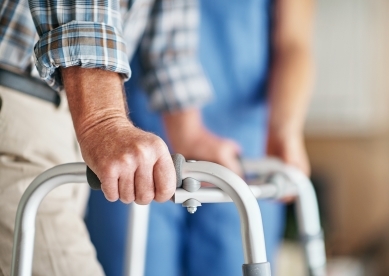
(137, 240)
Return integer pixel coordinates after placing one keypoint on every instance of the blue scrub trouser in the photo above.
(206, 243)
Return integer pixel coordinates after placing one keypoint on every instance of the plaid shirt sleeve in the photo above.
(173, 78)
(78, 33)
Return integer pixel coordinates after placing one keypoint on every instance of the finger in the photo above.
(230, 149)
(233, 164)
(126, 187)
(109, 186)
(164, 179)
(206, 184)
(144, 185)
(228, 156)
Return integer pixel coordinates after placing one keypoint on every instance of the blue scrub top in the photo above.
(234, 51)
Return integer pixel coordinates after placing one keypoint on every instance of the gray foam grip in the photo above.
(178, 160)
(93, 180)
(259, 269)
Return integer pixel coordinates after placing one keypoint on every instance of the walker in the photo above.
(271, 179)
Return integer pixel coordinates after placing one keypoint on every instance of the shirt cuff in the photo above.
(78, 43)
(177, 86)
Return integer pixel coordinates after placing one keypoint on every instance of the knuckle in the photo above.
(125, 158)
(149, 149)
(141, 152)
(108, 172)
(158, 146)
(159, 143)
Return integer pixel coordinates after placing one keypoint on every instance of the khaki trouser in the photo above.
(35, 136)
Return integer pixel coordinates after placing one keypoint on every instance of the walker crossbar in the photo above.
(251, 223)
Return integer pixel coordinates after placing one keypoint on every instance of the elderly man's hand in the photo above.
(131, 164)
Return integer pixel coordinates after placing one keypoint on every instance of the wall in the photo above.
(347, 127)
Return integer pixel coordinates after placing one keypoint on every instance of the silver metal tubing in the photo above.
(137, 239)
(237, 189)
(306, 209)
(25, 217)
(215, 195)
(281, 188)
(307, 213)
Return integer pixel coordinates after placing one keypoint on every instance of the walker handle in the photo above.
(178, 160)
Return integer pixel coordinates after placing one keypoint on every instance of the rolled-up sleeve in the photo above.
(78, 33)
(173, 77)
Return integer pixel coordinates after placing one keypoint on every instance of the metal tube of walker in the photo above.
(252, 231)
(251, 221)
(306, 209)
(23, 247)
(230, 188)
(255, 258)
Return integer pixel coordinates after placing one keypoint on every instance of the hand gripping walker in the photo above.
(251, 224)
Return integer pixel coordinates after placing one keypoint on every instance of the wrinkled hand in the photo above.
(131, 164)
(188, 136)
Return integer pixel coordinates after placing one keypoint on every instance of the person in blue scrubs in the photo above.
(257, 56)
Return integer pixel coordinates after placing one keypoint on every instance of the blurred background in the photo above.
(347, 136)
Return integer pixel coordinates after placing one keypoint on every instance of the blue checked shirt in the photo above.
(105, 34)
